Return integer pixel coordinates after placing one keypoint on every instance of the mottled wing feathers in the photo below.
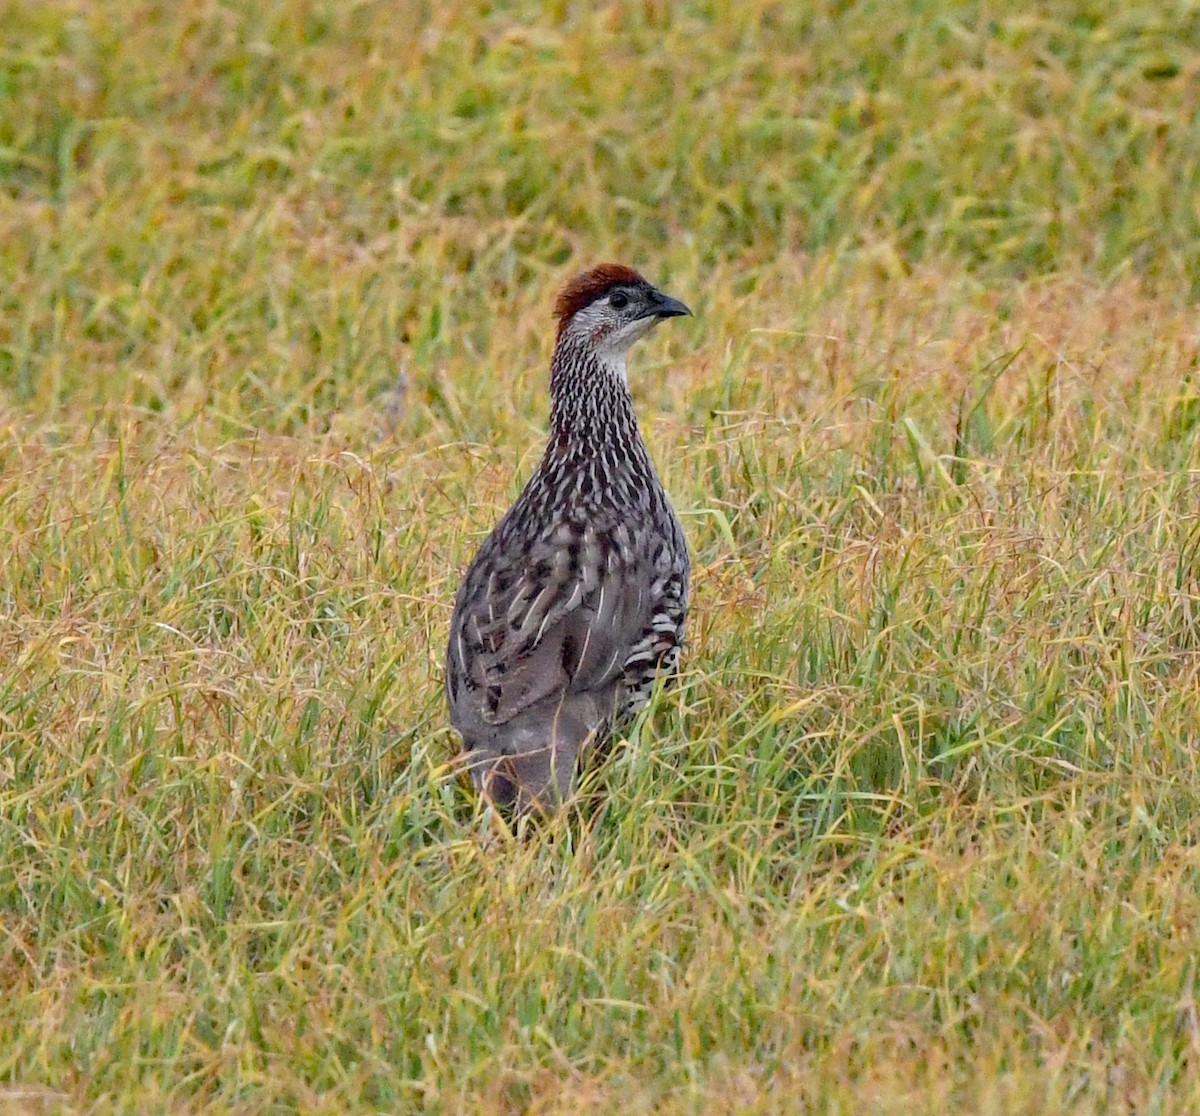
(561, 620)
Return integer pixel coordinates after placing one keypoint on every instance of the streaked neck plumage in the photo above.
(590, 403)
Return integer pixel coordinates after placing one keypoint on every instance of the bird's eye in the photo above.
(618, 300)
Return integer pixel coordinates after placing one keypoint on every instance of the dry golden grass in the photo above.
(919, 830)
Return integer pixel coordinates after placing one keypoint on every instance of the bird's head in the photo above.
(610, 307)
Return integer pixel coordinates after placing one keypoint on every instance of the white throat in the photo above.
(613, 362)
(613, 348)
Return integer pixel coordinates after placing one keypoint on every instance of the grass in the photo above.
(919, 830)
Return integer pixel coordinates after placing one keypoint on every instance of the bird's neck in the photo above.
(590, 404)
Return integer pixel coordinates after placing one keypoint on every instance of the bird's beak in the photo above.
(664, 306)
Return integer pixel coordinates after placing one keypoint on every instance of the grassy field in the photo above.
(920, 831)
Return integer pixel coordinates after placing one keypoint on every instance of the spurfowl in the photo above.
(576, 601)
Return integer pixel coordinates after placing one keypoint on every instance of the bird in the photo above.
(576, 602)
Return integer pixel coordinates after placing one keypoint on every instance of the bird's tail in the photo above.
(531, 767)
